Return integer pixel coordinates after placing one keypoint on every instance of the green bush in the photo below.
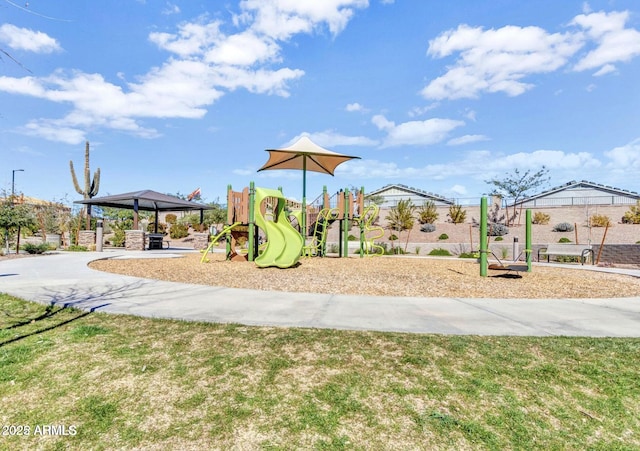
(469, 255)
(178, 231)
(498, 238)
(563, 227)
(564, 239)
(171, 218)
(440, 252)
(393, 237)
(443, 236)
(36, 248)
(352, 238)
(76, 248)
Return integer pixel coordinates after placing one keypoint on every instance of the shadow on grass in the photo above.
(82, 302)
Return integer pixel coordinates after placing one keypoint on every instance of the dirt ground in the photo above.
(381, 276)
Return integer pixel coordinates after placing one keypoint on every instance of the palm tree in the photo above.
(400, 218)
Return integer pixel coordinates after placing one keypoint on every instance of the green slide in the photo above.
(284, 243)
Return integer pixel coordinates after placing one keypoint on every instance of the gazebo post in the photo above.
(135, 214)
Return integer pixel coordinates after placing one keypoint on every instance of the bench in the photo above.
(156, 241)
(573, 250)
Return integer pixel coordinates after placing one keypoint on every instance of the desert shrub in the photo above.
(563, 227)
(171, 218)
(633, 215)
(334, 248)
(469, 255)
(443, 236)
(440, 252)
(36, 248)
(457, 214)
(393, 237)
(77, 248)
(540, 218)
(162, 227)
(497, 230)
(428, 228)
(417, 250)
(178, 231)
(564, 239)
(352, 238)
(498, 238)
(597, 220)
(427, 213)
(117, 240)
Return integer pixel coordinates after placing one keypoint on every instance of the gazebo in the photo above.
(146, 200)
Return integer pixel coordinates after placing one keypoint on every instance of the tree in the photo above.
(400, 218)
(516, 186)
(13, 217)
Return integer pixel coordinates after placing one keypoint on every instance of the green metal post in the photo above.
(252, 251)
(483, 237)
(304, 198)
(527, 250)
(324, 195)
(362, 231)
(345, 235)
(228, 240)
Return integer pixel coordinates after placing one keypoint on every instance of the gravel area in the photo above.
(381, 276)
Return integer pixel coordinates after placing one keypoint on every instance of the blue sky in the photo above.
(176, 95)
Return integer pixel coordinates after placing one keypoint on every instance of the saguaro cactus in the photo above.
(90, 186)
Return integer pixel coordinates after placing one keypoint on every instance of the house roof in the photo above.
(584, 184)
(411, 190)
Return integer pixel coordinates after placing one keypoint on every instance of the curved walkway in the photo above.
(65, 279)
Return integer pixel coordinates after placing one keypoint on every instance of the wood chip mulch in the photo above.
(381, 276)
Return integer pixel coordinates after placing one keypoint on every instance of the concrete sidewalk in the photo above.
(65, 279)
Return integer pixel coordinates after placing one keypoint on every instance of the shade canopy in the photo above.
(146, 200)
(305, 155)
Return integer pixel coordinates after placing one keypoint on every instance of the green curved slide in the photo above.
(284, 243)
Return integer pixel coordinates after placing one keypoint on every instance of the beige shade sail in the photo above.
(305, 155)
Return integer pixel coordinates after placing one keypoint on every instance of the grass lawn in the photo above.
(121, 382)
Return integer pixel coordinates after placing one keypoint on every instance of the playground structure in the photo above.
(484, 245)
(280, 219)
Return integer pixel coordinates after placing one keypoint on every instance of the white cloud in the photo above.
(28, 40)
(417, 133)
(625, 158)
(330, 138)
(204, 62)
(354, 107)
(606, 69)
(466, 139)
(281, 19)
(457, 190)
(552, 159)
(420, 111)
(171, 8)
(52, 131)
(496, 60)
(615, 43)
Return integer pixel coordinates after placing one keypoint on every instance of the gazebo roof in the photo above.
(147, 200)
